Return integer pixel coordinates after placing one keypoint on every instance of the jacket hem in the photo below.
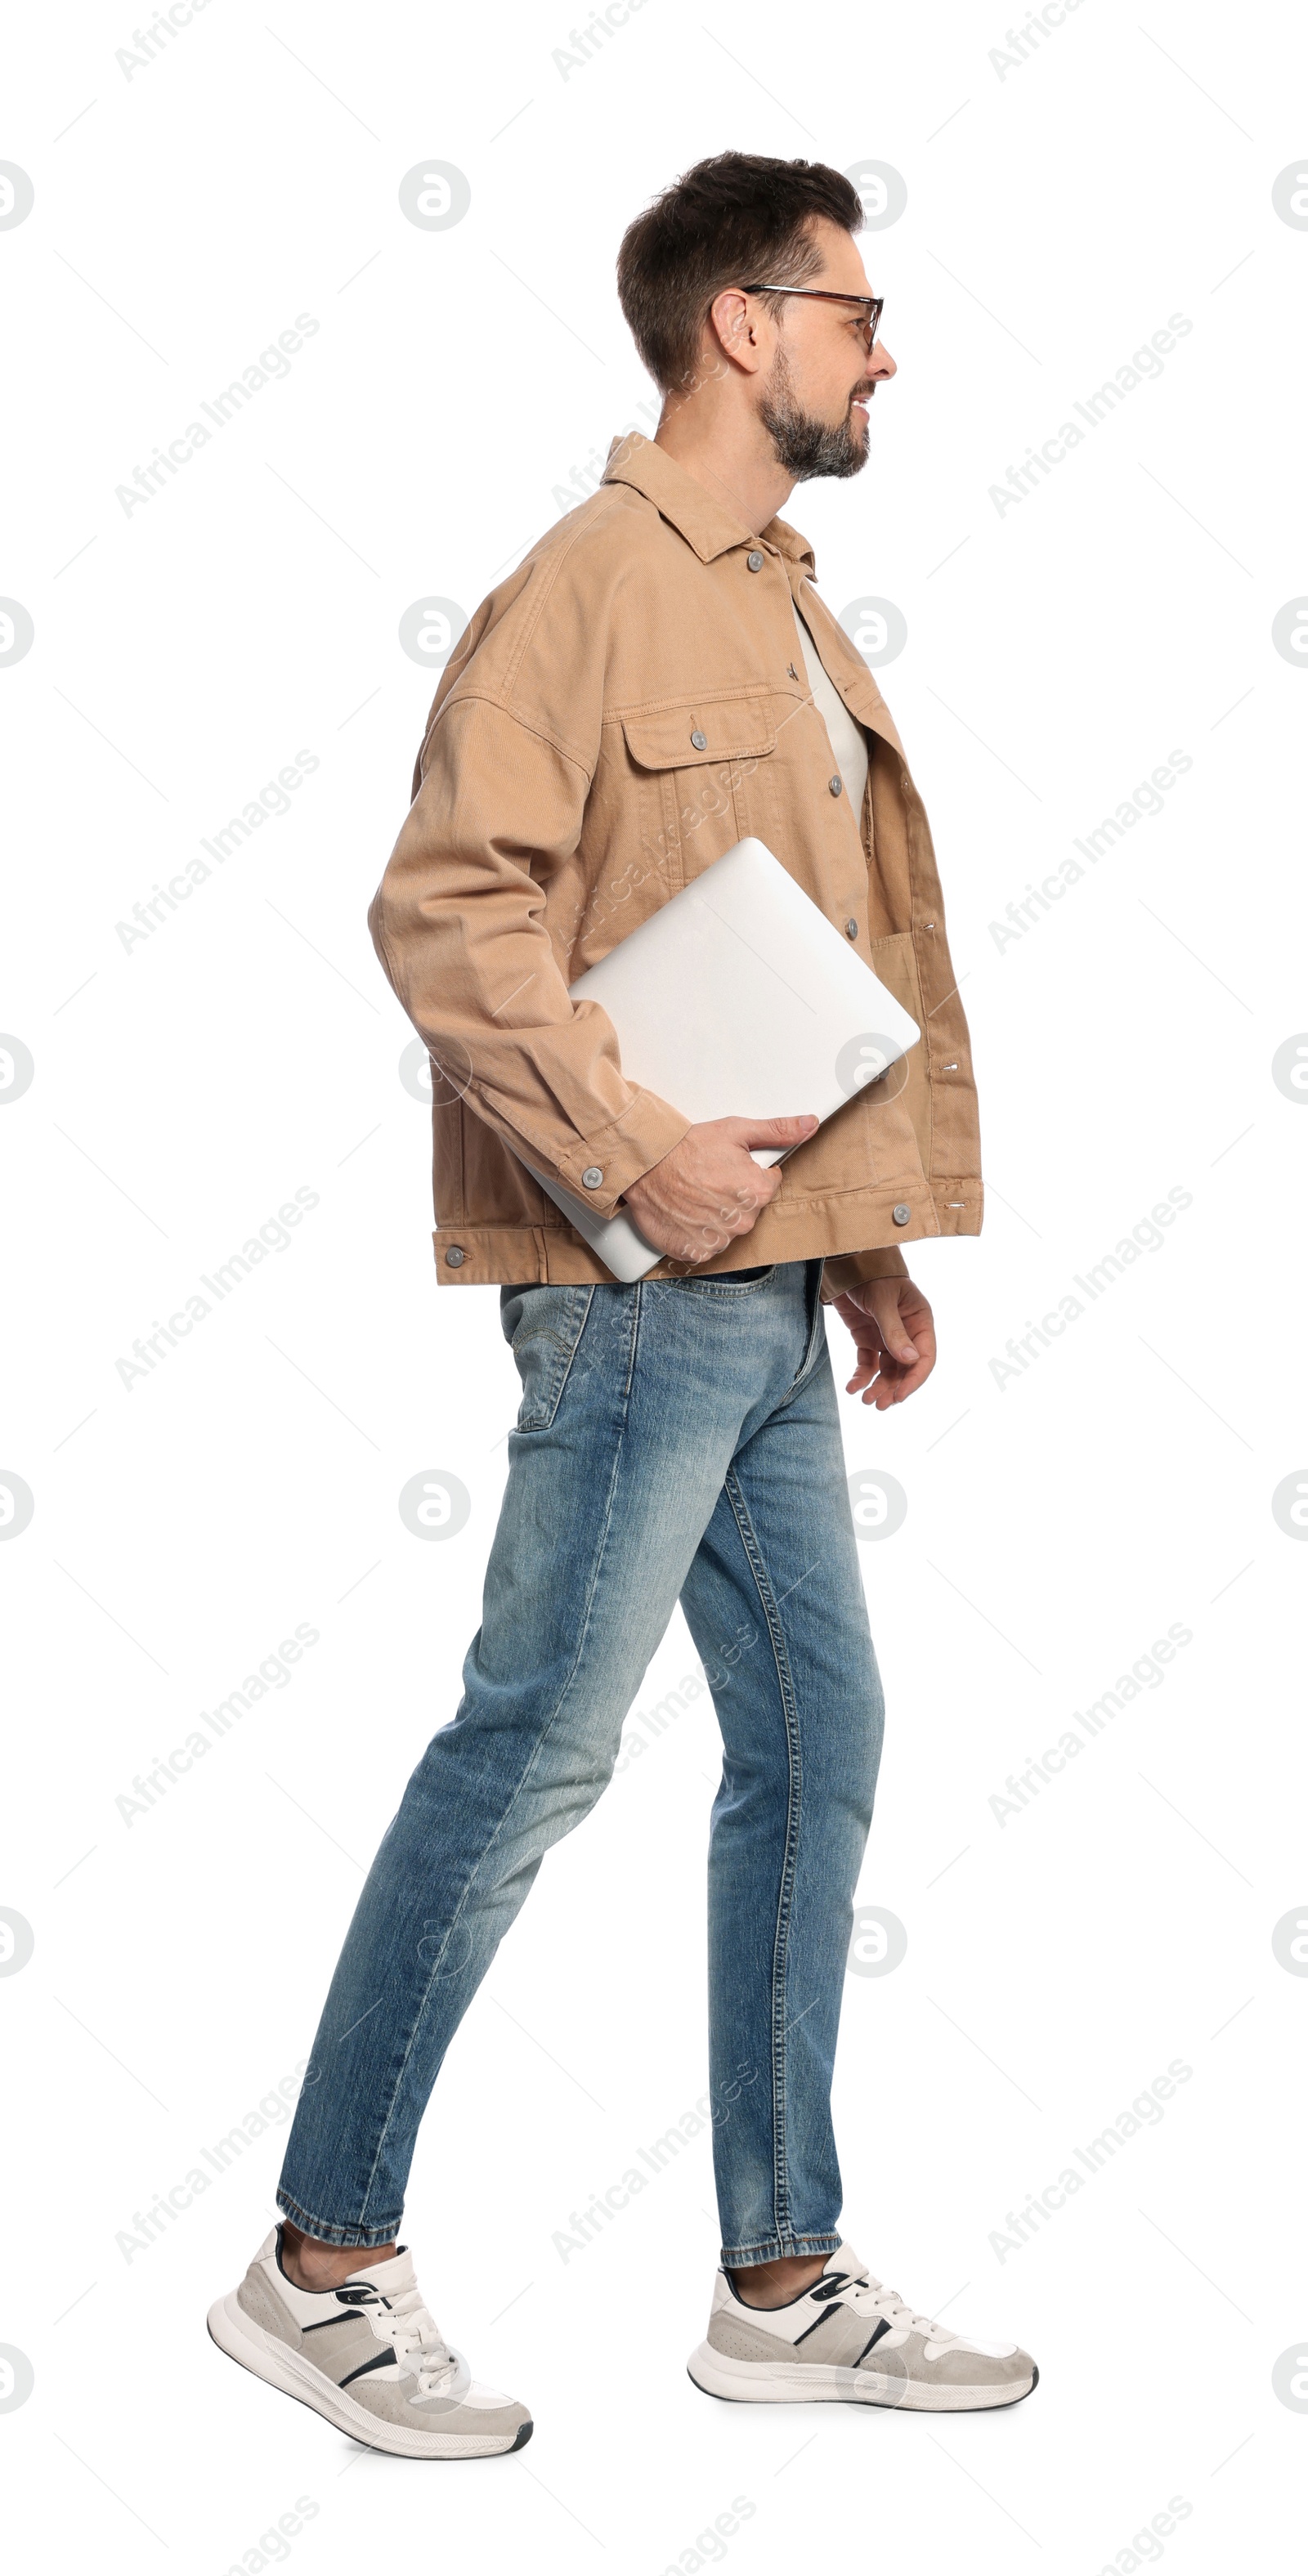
(861, 1224)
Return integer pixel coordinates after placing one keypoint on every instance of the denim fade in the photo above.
(677, 1440)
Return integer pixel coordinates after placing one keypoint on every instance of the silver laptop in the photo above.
(737, 999)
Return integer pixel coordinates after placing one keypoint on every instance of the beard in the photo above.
(805, 447)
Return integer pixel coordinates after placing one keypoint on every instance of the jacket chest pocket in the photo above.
(701, 773)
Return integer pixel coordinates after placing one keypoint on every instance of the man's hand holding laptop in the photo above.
(709, 1192)
(708, 1189)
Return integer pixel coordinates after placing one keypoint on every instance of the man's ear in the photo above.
(732, 332)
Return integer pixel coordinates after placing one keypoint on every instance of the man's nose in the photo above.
(881, 366)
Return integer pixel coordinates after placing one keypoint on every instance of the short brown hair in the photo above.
(737, 217)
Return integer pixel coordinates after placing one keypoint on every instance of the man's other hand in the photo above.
(895, 1337)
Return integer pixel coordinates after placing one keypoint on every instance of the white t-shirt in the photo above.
(847, 739)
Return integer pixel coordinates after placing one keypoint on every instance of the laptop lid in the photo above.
(737, 998)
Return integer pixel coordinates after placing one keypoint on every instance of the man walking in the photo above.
(657, 680)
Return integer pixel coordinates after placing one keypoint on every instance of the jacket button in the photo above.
(902, 1213)
(700, 741)
(592, 1178)
(456, 1256)
(836, 786)
(754, 562)
(851, 929)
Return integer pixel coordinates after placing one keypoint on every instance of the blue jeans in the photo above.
(678, 1440)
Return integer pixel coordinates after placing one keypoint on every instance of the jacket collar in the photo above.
(692, 511)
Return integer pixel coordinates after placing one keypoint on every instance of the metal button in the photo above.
(592, 1178)
(901, 1214)
(754, 562)
(700, 741)
(456, 1256)
(837, 786)
(851, 929)
(791, 672)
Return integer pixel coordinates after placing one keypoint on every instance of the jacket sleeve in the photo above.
(458, 923)
(854, 1269)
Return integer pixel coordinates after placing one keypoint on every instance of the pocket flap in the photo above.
(731, 729)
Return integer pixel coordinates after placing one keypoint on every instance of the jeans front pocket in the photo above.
(728, 1283)
(543, 1326)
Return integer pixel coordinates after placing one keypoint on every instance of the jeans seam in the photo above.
(637, 1309)
(537, 1751)
(817, 1342)
(785, 1893)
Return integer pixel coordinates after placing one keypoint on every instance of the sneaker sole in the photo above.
(246, 2342)
(766, 2383)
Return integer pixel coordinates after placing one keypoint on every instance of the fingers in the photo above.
(774, 1131)
(892, 1361)
(880, 1302)
(896, 1381)
(712, 1235)
(706, 1192)
(761, 1194)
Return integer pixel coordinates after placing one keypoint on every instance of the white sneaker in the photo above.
(849, 2337)
(369, 2357)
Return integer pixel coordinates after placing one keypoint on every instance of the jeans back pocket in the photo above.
(543, 1326)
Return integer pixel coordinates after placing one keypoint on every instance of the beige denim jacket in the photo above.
(621, 710)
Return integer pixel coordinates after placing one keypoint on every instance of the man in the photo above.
(656, 680)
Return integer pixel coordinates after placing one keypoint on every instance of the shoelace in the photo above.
(415, 2335)
(866, 2295)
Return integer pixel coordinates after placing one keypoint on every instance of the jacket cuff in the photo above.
(854, 1269)
(622, 1152)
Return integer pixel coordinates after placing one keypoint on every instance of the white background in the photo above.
(1059, 210)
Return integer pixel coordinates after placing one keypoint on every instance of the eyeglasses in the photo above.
(873, 305)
